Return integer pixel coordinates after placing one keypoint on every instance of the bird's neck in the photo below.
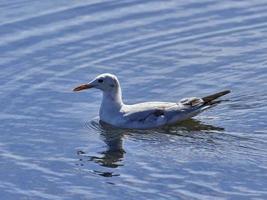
(111, 103)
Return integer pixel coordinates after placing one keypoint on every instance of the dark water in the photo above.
(51, 144)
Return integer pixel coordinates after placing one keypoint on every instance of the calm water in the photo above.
(51, 143)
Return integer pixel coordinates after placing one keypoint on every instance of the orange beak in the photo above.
(82, 87)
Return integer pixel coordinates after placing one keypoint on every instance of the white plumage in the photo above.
(144, 115)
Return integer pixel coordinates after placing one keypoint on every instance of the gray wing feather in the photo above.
(168, 112)
(143, 115)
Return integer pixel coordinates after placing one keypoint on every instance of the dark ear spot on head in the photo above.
(100, 80)
(115, 83)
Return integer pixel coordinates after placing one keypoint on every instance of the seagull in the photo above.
(145, 115)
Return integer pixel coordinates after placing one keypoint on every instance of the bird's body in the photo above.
(148, 114)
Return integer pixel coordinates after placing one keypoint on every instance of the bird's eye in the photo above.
(100, 80)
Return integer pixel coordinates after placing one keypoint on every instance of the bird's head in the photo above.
(105, 82)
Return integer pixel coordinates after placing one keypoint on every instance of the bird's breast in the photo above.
(110, 115)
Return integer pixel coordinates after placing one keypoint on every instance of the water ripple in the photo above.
(161, 50)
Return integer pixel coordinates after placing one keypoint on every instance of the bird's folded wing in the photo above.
(168, 110)
(144, 114)
(147, 110)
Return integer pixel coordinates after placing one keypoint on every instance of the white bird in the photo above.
(148, 114)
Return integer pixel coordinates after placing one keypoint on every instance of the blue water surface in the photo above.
(52, 145)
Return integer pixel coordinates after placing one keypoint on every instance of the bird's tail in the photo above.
(211, 99)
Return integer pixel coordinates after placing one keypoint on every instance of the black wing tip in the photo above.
(212, 97)
(226, 92)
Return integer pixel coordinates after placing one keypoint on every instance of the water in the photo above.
(51, 143)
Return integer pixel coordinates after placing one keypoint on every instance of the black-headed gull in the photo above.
(148, 114)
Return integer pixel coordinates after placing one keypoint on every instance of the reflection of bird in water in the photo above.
(148, 114)
(113, 156)
(193, 125)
